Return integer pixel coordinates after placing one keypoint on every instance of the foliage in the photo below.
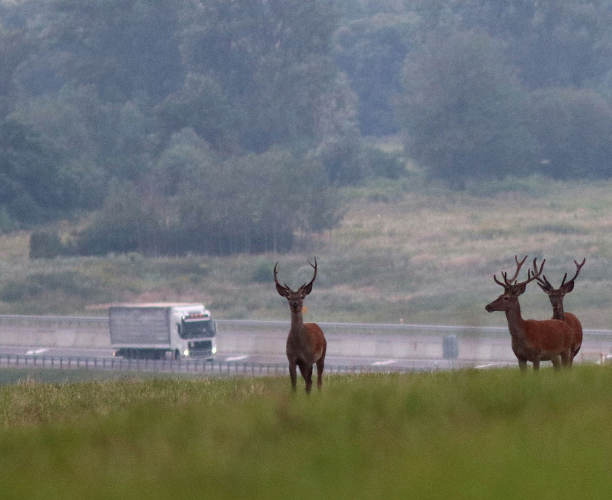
(30, 184)
(202, 105)
(464, 111)
(271, 59)
(263, 272)
(45, 245)
(253, 203)
(371, 50)
(124, 47)
(140, 91)
(384, 164)
(574, 130)
(66, 284)
(123, 225)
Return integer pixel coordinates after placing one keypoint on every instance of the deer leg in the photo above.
(320, 366)
(307, 374)
(306, 371)
(566, 359)
(522, 365)
(556, 362)
(293, 375)
(536, 364)
(302, 367)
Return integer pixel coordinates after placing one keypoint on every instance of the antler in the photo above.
(535, 274)
(283, 286)
(531, 275)
(543, 281)
(578, 268)
(508, 282)
(546, 286)
(308, 286)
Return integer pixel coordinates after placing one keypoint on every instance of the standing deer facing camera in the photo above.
(306, 344)
(556, 299)
(532, 340)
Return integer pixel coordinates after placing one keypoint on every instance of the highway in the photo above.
(242, 343)
(238, 358)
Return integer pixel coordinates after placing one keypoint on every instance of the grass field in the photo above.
(445, 435)
(404, 250)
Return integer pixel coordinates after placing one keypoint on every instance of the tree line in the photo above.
(220, 127)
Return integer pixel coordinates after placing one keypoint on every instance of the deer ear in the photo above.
(307, 289)
(282, 291)
(544, 288)
(521, 289)
(568, 287)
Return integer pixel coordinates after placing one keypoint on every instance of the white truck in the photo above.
(162, 331)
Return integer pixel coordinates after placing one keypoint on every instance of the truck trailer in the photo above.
(162, 331)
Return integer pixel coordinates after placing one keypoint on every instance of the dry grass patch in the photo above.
(428, 255)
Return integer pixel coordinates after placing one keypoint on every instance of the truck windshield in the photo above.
(191, 329)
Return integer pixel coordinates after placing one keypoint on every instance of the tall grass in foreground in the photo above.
(454, 435)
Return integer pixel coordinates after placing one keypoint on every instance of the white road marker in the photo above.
(37, 351)
(236, 358)
(388, 362)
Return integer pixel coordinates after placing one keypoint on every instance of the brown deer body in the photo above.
(532, 340)
(556, 296)
(306, 344)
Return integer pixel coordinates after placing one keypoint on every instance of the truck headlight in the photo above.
(214, 350)
(186, 352)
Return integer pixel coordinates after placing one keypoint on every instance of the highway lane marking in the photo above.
(236, 358)
(490, 365)
(388, 362)
(37, 351)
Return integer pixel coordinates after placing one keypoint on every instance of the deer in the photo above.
(532, 340)
(306, 344)
(556, 299)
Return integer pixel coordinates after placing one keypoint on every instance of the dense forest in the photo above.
(216, 126)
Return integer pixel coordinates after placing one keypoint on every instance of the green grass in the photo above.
(456, 435)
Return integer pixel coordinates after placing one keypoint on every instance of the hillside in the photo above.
(403, 250)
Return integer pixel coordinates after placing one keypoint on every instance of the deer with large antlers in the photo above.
(532, 340)
(556, 296)
(306, 344)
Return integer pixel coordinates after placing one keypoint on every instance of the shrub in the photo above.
(45, 245)
(263, 272)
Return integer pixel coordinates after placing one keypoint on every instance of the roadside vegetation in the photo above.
(463, 435)
(404, 250)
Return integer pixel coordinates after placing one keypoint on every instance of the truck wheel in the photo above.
(177, 355)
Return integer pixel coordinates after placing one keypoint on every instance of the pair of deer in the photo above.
(557, 339)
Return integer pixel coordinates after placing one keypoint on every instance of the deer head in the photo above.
(513, 288)
(556, 294)
(296, 299)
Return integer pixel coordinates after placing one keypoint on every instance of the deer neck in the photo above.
(516, 323)
(558, 312)
(297, 323)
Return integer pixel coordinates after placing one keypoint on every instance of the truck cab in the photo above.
(162, 331)
(197, 332)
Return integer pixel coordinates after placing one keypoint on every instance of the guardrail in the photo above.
(254, 326)
(201, 367)
(54, 321)
(101, 322)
